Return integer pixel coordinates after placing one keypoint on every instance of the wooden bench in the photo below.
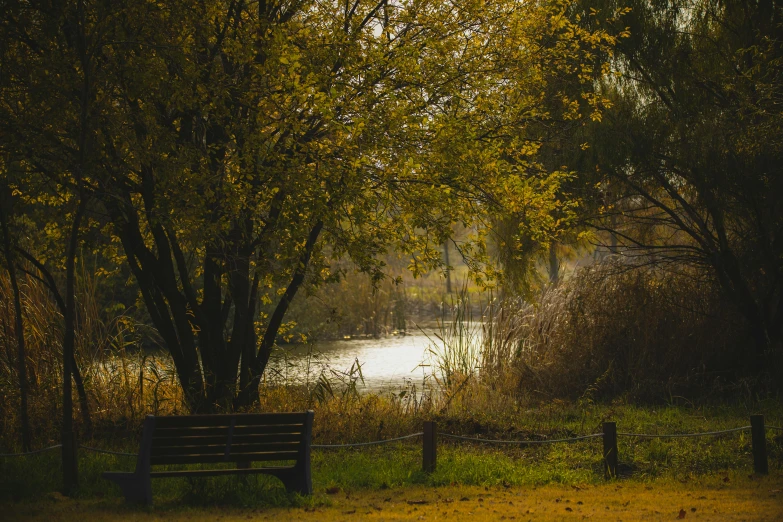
(212, 439)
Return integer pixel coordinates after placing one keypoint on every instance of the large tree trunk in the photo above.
(276, 320)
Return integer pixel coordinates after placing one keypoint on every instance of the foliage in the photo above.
(237, 147)
(686, 164)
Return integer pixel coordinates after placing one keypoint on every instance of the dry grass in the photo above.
(121, 383)
(717, 498)
(124, 383)
(609, 331)
(602, 334)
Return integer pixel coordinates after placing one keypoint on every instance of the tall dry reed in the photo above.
(121, 383)
(611, 330)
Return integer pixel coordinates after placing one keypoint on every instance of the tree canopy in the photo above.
(229, 150)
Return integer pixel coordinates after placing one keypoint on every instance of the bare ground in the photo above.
(719, 497)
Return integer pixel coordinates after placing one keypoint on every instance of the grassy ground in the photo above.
(655, 475)
(729, 496)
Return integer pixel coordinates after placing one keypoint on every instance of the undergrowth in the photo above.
(464, 463)
(589, 351)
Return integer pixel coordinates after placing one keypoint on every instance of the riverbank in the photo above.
(718, 497)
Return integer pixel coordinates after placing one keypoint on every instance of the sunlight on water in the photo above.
(386, 363)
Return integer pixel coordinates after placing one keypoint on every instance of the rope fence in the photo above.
(107, 452)
(684, 435)
(609, 436)
(31, 452)
(372, 443)
(520, 442)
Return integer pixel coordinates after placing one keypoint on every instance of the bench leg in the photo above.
(296, 480)
(136, 488)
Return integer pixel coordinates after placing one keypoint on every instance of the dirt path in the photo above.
(716, 498)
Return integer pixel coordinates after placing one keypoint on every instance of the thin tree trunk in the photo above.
(21, 352)
(554, 264)
(276, 320)
(613, 236)
(84, 405)
(70, 477)
(48, 280)
(448, 267)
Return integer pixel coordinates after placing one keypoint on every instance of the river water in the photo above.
(387, 363)
(391, 363)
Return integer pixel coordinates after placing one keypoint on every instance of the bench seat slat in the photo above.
(216, 472)
(221, 439)
(242, 419)
(214, 449)
(223, 430)
(197, 458)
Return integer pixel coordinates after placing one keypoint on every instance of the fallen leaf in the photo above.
(569, 509)
(682, 514)
(351, 512)
(418, 502)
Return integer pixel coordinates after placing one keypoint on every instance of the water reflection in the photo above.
(387, 363)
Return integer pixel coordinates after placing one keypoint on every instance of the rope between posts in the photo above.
(107, 452)
(446, 435)
(30, 452)
(552, 441)
(683, 435)
(412, 435)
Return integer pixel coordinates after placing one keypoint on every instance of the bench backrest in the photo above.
(245, 437)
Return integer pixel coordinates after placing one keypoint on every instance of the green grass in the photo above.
(398, 465)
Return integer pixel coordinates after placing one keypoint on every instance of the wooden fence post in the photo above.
(430, 446)
(759, 441)
(610, 449)
(70, 462)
